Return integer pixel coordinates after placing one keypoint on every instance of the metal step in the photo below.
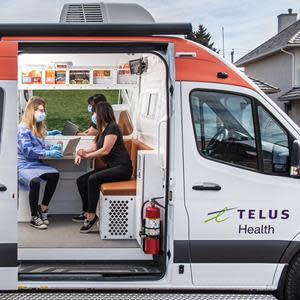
(87, 268)
(132, 296)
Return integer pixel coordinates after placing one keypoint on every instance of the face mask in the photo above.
(90, 108)
(39, 117)
(94, 119)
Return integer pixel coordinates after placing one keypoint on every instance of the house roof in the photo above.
(293, 94)
(265, 87)
(287, 37)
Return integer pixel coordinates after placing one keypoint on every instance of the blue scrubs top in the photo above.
(30, 150)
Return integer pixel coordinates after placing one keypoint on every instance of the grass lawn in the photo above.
(71, 105)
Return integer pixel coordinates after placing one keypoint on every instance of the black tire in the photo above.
(292, 288)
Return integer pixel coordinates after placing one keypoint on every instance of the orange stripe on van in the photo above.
(8, 60)
(202, 68)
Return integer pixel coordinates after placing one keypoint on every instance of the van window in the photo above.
(224, 127)
(1, 111)
(274, 144)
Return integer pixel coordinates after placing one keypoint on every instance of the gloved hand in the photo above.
(55, 147)
(54, 154)
(53, 132)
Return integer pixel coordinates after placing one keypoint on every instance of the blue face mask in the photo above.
(40, 117)
(94, 119)
(90, 108)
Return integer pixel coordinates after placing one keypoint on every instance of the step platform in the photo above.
(130, 296)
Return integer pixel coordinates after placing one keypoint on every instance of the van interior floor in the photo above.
(63, 233)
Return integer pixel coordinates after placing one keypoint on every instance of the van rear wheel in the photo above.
(292, 289)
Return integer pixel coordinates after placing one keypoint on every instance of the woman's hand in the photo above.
(84, 154)
(77, 160)
(80, 152)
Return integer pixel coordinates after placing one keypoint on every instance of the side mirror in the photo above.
(295, 160)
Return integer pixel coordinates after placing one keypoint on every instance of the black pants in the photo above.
(89, 184)
(34, 192)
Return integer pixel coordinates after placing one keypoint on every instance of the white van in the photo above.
(220, 158)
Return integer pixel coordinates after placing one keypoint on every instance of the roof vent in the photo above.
(100, 12)
(82, 13)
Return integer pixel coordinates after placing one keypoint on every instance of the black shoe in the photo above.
(43, 215)
(36, 222)
(79, 219)
(88, 226)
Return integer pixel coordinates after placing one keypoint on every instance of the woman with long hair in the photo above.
(109, 146)
(31, 170)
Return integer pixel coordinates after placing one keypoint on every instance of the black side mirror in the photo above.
(295, 159)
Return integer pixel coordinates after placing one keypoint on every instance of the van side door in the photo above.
(238, 193)
(8, 165)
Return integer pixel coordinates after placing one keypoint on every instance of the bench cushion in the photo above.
(121, 188)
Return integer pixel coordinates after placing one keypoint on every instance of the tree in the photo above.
(201, 36)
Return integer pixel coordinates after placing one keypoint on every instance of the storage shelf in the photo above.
(76, 86)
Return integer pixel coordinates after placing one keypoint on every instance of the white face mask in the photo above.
(90, 108)
(94, 119)
(39, 116)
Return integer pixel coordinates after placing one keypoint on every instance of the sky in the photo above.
(247, 23)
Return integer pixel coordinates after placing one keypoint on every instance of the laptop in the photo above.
(70, 129)
(71, 147)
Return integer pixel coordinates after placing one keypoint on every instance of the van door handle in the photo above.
(3, 188)
(207, 186)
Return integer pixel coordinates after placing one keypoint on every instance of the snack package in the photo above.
(32, 76)
(102, 76)
(79, 76)
(60, 77)
(50, 76)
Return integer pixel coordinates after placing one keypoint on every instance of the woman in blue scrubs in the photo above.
(31, 170)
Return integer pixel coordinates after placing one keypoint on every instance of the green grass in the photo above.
(71, 105)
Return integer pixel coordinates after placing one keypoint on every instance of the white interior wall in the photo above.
(79, 60)
(149, 116)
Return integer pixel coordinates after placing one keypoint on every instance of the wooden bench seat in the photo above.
(125, 188)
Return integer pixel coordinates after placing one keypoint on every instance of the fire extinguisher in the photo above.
(150, 233)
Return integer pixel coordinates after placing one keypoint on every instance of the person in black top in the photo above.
(92, 102)
(109, 146)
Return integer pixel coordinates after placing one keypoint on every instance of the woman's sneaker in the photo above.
(43, 215)
(88, 226)
(79, 219)
(36, 222)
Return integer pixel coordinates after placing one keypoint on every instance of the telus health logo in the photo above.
(261, 217)
(219, 216)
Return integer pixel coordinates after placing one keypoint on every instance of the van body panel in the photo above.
(8, 179)
(8, 60)
(245, 200)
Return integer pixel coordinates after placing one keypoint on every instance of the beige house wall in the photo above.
(295, 111)
(275, 70)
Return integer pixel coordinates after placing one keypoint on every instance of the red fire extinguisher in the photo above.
(151, 227)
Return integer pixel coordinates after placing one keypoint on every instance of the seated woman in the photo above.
(31, 147)
(92, 102)
(109, 146)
